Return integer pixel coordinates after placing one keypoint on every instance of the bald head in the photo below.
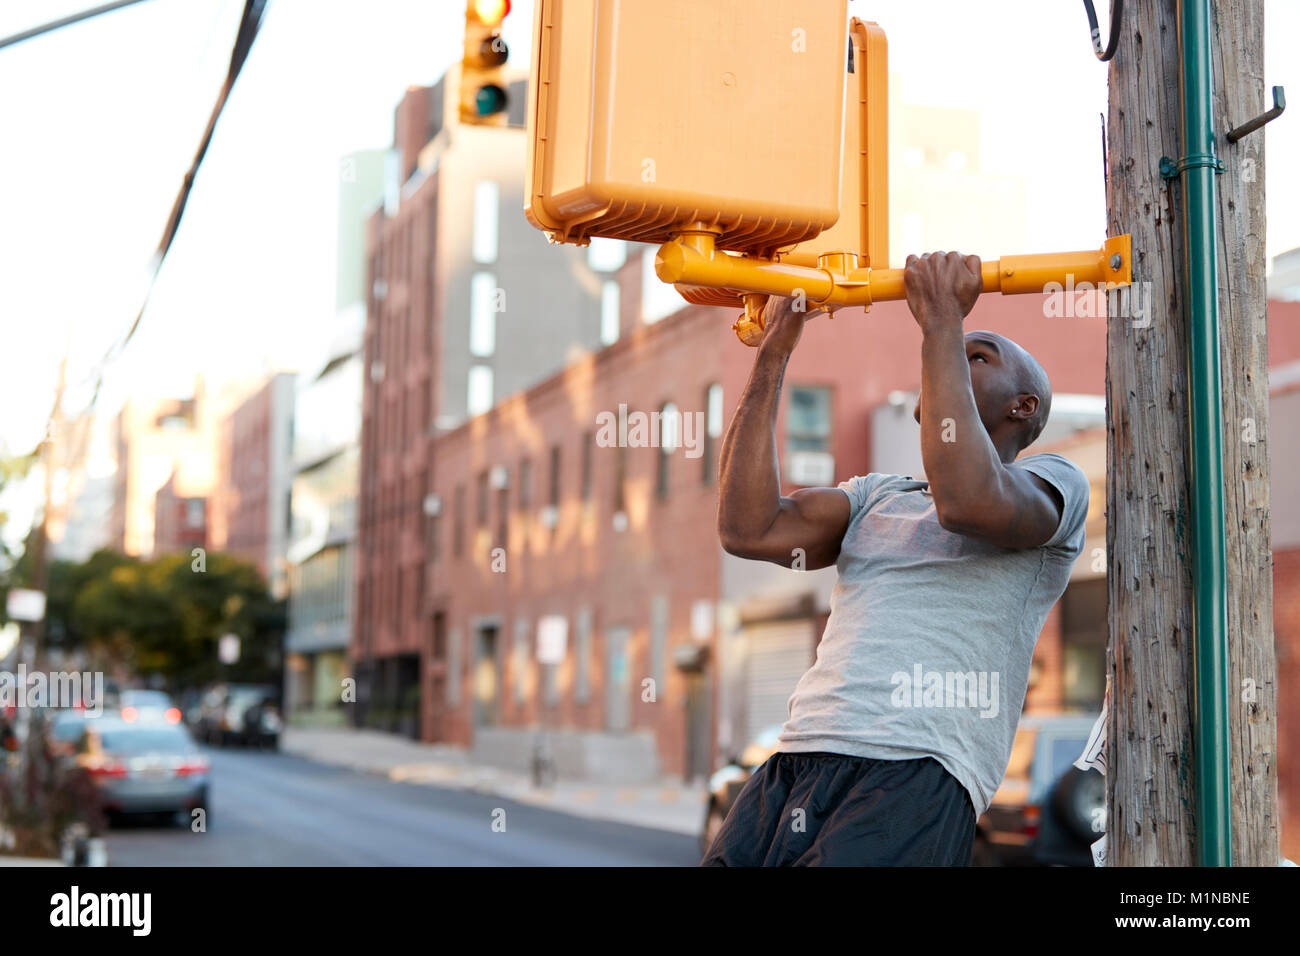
(1011, 390)
(1027, 377)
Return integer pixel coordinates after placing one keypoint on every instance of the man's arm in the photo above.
(975, 492)
(754, 519)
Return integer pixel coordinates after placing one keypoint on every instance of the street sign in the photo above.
(228, 649)
(25, 605)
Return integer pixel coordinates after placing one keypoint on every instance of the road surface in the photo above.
(277, 810)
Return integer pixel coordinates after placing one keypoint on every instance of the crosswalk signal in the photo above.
(483, 99)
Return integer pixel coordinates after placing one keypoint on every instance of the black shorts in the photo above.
(823, 809)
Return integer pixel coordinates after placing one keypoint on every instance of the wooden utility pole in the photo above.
(1151, 785)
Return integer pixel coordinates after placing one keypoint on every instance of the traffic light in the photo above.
(483, 97)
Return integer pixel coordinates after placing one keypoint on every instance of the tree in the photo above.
(163, 618)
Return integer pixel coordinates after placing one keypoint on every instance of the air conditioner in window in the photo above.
(811, 468)
(499, 476)
(549, 516)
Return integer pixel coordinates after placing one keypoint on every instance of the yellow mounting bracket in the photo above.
(691, 259)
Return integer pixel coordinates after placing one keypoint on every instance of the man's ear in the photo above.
(1024, 408)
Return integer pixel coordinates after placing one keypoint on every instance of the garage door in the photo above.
(777, 656)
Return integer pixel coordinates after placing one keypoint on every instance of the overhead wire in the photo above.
(250, 24)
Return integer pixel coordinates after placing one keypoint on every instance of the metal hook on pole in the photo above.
(1116, 14)
(1279, 104)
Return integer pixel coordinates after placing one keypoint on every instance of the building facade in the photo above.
(253, 451)
(155, 439)
(180, 517)
(466, 303)
(326, 478)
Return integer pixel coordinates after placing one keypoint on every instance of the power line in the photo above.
(249, 24)
(65, 21)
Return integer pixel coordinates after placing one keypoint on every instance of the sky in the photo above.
(99, 121)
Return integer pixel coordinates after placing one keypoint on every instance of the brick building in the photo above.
(180, 518)
(537, 519)
(465, 303)
(154, 439)
(253, 469)
(621, 541)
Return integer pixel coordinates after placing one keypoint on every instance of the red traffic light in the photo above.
(489, 12)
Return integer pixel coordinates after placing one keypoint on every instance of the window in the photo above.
(588, 445)
(808, 419)
(658, 637)
(486, 217)
(609, 316)
(503, 516)
(480, 390)
(440, 636)
(453, 668)
(712, 430)
(194, 513)
(482, 512)
(606, 255)
(483, 293)
(521, 660)
(525, 484)
(582, 681)
(620, 479)
(670, 424)
(435, 539)
(555, 476)
(658, 299)
(458, 522)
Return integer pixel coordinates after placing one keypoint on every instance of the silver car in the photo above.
(144, 767)
(148, 706)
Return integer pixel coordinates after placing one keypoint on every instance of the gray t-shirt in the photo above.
(931, 634)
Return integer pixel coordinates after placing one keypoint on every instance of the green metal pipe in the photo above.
(1210, 567)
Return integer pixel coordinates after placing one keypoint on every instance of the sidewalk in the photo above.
(671, 806)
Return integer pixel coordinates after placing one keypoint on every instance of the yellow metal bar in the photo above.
(838, 282)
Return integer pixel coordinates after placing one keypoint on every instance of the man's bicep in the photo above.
(808, 531)
(1023, 513)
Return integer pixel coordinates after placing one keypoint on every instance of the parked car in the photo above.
(147, 706)
(1043, 814)
(725, 784)
(1047, 812)
(190, 702)
(65, 730)
(144, 767)
(244, 714)
(9, 742)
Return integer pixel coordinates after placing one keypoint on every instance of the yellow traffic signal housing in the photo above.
(483, 97)
(720, 130)
(863, 226)
(648, 117)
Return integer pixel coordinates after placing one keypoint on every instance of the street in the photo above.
(277, 810)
